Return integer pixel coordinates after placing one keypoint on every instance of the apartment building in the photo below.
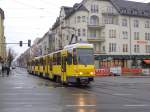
(2, 37)
(118, 29)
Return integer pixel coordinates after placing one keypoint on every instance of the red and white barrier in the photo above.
(102, 72)
(146, 71)
(121, 71)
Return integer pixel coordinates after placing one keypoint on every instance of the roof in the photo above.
(2, 13)
(67, 10)
(76, 45)
(56, 24)
(75, 8)
(131, 8)
(70, 11)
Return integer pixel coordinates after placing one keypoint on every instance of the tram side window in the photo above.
(54, 59)
(44, 62)
(37, 62)
(74, 57)
(58, 59)
(51, 65)
(41, 61)
(32, 63)
(69, 58)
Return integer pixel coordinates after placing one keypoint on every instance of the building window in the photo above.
(109, 20)
(94, 20)
(125, 34)
(112, 47)
(84, 32)
(94, 8)
(147, 24)
(67, 37)
(93, 34)
(112, 33)
(78, 19)
(79, 32)
(136, 23)
(75, 20)
(147, 36)
(125, 47)
(147, 48)
(137, 48)
(83, 19)
(124, 22)
(136, 36)
(103, 48)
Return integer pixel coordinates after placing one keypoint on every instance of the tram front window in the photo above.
(85, 56)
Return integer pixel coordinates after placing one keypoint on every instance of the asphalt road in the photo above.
(21, 92)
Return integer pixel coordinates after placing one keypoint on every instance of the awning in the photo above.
(147, 61)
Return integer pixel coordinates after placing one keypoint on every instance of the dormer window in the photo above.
(94, 8)
(143, 13)
(134, 11)
(124, 10)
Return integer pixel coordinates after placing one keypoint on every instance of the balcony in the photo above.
(109, 11)
(96, 39)
(96, 26)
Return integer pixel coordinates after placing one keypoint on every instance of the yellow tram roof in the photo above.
(79, 45)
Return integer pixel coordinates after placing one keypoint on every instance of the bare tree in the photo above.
(11, 56)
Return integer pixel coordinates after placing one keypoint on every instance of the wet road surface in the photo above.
(21, 92)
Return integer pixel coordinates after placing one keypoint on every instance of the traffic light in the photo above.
(29, 43)
(20, 43)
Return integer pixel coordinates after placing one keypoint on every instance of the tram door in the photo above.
(63, 68)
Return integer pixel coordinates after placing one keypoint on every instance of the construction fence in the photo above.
(121, 71)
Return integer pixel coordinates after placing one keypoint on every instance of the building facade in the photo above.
(2, 37)
(118, 29)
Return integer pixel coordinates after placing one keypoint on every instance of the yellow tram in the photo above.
(73, 64)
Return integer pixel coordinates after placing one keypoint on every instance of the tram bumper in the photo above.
(79, 79)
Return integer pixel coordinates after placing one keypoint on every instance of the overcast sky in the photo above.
(28, 19)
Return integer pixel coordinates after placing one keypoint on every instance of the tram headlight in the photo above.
(92, 73)
(81, 73)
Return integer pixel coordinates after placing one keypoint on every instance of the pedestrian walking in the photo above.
(7, 70)
(0, 68)
(3, 69)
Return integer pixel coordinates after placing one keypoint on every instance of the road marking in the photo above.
(28, 105)
(76, 94)
(137, 105)
(121, 94)
(80, 105)
(19, 83)
(18, 87)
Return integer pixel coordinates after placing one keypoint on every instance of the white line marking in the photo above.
(138, 105)
(80, 105)
(80, 94)
(120, 94)
(18, 87)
